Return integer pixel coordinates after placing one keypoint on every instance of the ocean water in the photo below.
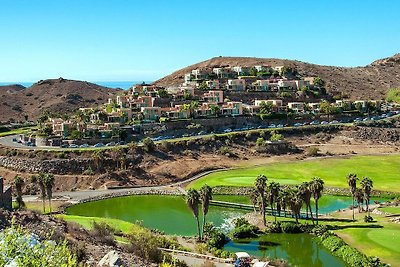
(112, 84)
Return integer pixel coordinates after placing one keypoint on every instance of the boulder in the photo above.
(111, 259)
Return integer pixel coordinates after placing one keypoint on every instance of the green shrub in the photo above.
(393, 95)
(273, 228)
(18, 247)
(148, 144)
(290, 227)
(88, 171)
(244, 229)
(313, 151)
(368, 219)
(260, 141)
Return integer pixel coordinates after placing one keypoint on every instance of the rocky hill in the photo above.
(55, 95)
(368, 82)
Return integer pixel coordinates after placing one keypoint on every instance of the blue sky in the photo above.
(131, 40)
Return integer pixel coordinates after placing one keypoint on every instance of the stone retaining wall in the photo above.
(55, 166)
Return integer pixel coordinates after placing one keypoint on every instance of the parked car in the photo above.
(324, 122)
(314, 123)
(99, 145)
(228, 130)
(297, 124)
(73, 146)
(121, 143)
(84, 146)
(334, 122)
(110, 144)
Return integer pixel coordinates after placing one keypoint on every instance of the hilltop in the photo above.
(55, 95)
(367, 82)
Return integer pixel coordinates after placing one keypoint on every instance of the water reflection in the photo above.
(298, 249)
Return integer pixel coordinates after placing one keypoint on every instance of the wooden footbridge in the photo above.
(268, 210)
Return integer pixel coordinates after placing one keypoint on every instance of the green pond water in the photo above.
(300, 250)
(171, 215)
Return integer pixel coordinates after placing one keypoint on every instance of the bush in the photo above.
(148, 144)
(244, 229)
(350, 255)
(88, 171)
(368, 219)
(290, 227)
(103, 233)
(144, 244)
(273, 228)
(313, 151)
(276, 137)
(20, 248)
(260, 141)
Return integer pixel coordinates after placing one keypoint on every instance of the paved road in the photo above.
(78, 196)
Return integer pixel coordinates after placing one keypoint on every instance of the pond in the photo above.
(166, 213)
(300, 250)
(171, 215)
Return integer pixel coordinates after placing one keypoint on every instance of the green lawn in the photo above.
(393, 210)
(17, 131)
(384, 170)
(87, 222)
(382, 242)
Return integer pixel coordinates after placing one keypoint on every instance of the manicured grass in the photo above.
(382, 242)
(384, 170)
(87, 222)
(393, 210)
(16, 131)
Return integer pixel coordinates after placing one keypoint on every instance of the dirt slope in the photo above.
(56, 95)
(368, 82)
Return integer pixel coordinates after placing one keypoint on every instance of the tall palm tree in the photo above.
(296, 202)
(18, 183)
(273, 192)
(254, 198)
(284, 197)
(360, 198)
(306, 194)
(49, 183)
(193, 201)
(367, 184)
(260, 184)
(206, 196)
(316, 187)
(40, 181)
(352, 182)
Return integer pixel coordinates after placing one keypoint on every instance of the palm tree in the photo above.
(18, 183)
(193, 200)
(367, 184)
(306, 193)
(359, 197)
(260, 184)
(40, 181)
(206, 196)
(254, 198)
(98, 157)
(49, 183)
(273, 189)
(352, 182)
(316, 187)
(284, 198)
(295, 202)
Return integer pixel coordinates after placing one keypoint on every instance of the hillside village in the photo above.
(211, 93)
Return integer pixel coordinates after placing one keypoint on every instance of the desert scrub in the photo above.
(18, 247)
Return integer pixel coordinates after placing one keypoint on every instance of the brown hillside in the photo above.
(368, 82)
(55, 95)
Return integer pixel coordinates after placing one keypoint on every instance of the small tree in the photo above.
(148, 144)
(18, 183)
(40, 181)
